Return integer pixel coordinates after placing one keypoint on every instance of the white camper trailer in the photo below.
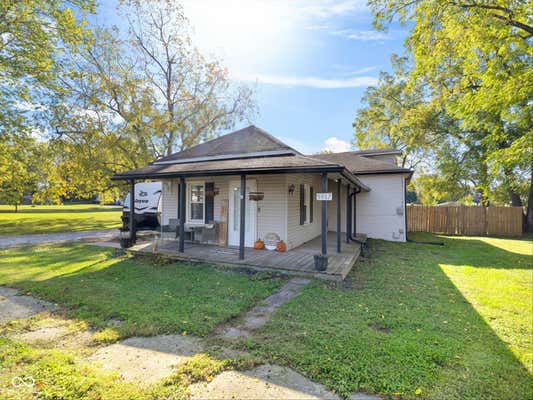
(147, 205)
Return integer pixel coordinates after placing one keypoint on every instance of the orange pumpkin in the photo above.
(281, 246)
(259, 245)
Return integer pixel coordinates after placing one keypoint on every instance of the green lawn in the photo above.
(417, 321)
(48, 219)
(411, 321)
(147, 299)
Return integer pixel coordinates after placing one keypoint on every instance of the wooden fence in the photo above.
(465, 220)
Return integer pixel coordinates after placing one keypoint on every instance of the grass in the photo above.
(144, 298)
(416, 321)
(50, 219)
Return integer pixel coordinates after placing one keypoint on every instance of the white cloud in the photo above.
(309, 81)
(330, 8)
(368, 35)
(363, 35)
(336, 145)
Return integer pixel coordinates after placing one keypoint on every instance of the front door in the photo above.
(235, 213)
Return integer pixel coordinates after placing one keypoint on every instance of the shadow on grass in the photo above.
(407, 326)
(146, 298)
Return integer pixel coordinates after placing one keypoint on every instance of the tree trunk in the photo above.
(516, 201)
(529, 214)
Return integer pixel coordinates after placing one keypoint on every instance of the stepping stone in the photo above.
(260, 314)
(264, 382)
(147, 359)
(13, 306)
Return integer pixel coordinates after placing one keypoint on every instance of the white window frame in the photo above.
(189, 202)
(307, 206)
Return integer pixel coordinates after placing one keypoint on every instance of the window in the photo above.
(196, 201)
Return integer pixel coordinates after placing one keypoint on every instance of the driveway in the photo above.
(20, 240)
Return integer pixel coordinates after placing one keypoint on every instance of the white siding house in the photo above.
(279, 197)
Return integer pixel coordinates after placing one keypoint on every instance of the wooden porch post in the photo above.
(181, 205)
(324, 233)
(348, 213)
(133, 233)
(243, 215)
(339, 186)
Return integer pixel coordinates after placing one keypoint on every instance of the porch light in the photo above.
(291, 189)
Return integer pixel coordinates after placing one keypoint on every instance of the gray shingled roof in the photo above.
(375, 152)
(253, 151)
(360, 165)
(257, 165)
(249, 140)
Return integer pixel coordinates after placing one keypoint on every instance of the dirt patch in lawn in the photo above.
(379, 328)
(14, 306)
(147, 359)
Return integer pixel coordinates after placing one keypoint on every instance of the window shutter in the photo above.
(209, 202)
(178, 200)
(311, 200)
(302, 204)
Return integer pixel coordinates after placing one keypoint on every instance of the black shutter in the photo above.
(311, 200)
(209, 202)
(178, 200)
(302, 204)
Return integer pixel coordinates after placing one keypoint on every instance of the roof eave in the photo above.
(233, 171)
(353, 179)
(384, 171)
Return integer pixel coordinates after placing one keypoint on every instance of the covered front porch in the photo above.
(298, 261)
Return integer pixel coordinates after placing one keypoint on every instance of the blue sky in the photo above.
(309, 60)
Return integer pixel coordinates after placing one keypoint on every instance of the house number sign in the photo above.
(324, 196)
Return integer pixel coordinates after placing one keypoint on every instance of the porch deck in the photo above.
(298, 261)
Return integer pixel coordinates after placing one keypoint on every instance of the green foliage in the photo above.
(135, 96)
(35, 35)
(452, 320)
(147, 299)
(474, 59)
(398, 116)
(18, 167)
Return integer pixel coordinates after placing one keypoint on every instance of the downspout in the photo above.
(405, 208)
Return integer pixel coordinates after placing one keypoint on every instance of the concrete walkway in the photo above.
(14, 306)
(260, 314)
(20, 240)
(147, 360)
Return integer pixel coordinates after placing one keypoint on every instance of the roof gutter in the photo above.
(385, 171)
(353, 179)
(255, 171)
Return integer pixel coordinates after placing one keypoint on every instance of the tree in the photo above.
(19, 169)
(194, 93)
(476, 59)
(397, 116)
(33, 36)
(142, 95)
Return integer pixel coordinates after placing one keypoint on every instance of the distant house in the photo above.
(298, 198)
